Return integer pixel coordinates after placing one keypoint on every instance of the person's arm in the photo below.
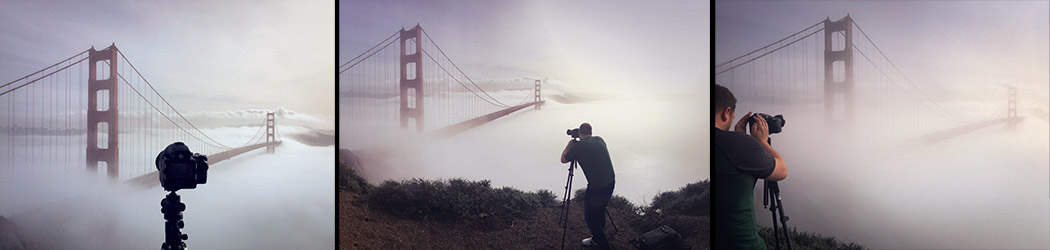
(566, 151)
(761, 132)
(741, 125)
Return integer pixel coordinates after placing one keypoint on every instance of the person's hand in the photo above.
(741, 125)
(571, 141)
(761, 130)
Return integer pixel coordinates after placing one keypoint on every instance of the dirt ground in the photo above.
(363, 228)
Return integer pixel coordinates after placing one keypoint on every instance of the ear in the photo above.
(725, 113)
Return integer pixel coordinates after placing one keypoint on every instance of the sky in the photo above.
(965, 47)
(204, 56)
(616, 48)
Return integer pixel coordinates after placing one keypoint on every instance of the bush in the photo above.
(348, 179)
(456, 199)
(806, 240)
(547, 198)
(616, 202)
(693, 199)
(684, 210)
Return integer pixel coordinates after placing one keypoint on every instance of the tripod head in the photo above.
(171, 206)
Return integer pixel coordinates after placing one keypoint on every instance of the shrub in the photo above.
(684, 210)
(547, 198)
(456, 199)
(618, 202)
(806, 240)
(348, 179)
(693, 199)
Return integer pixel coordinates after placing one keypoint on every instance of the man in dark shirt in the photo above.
(593, 157)
(740, 160)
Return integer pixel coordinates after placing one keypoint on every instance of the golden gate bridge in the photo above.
(832, 67)
(416, 88)
(97, 108)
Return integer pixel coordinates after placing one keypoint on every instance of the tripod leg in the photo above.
(611, 220)
(773, 211)
(783, 222)
(565, 202)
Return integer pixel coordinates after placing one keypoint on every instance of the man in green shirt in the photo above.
(740, 160)
(593, 157)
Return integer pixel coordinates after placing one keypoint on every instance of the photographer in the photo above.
(593, 157)
(740, 160)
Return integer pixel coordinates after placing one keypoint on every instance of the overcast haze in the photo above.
(609, 47)
(966, 47)
(874, 181)
(205, 56)
(637, 71)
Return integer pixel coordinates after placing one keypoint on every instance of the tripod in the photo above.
(565, 204)
(771, 194)
(171, 206)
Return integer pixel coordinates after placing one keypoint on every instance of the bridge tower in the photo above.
(838, 69)
(102, 111)
(1011, 106)
(1012, 103)
(270, 132)
(537, 97)
(411, 82)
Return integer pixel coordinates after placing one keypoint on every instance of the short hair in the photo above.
(585, 129)
(723, 98)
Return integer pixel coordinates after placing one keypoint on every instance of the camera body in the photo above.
(776, 123)
(574, 132)
(179, 168)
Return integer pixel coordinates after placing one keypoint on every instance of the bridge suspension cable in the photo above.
(769, 45)
(45, 118)
(795, 70)
(42, 70)
(908, 79)
(344, 67)
(460, 71)
(383, 98)
(166, 102)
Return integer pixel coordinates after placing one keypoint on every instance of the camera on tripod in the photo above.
(776, 123)
(178, 168)
(181, 169)
(574, 132)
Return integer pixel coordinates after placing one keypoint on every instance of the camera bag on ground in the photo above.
(661, 238)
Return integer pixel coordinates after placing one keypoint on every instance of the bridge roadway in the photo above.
(942, 135)
(382, 152)
(151, 180)
(478, 121)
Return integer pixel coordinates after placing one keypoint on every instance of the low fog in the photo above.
(876, 185)
(252, 201)
(657, 144)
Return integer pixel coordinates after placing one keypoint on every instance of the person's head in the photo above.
(725, 106)
(585, 130)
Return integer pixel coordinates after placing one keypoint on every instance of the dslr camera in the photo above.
(181, 169)
(776, 123)
(574, 132)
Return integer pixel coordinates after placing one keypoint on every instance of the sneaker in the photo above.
(588, 242)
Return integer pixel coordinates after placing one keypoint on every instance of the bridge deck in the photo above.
(151, 179)
(953, 132)
(478, 121)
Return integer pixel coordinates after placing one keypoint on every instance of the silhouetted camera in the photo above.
(574, 132)
(181, 169)
(776, 123)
